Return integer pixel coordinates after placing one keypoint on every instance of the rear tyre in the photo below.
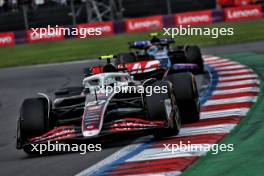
(162, 106)
(187, 97)
(194, 56)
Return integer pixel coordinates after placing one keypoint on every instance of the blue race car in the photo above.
(179, 57)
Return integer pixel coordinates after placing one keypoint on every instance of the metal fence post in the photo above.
(73, 13)
(168, 2)
(25, 16)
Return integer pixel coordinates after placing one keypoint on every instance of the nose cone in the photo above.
(90, 133)
(93, 118)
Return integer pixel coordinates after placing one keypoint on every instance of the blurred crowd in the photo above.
(15, 5)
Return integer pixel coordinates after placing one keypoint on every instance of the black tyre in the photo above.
(33, 121)
(156, 106)
(34, 117)
(123, 58)
(194, 56)
(187, 97)
(68, 91)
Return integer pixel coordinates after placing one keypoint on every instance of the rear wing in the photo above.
(139, 44)
(131, 68)
(147, 43)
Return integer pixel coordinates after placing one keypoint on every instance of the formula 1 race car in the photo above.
(151, 57)
(160, 49)
(95, 112)
(143, 70)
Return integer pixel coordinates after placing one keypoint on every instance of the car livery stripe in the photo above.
(232, 91)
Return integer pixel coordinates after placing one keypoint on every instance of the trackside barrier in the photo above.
(203, 17)
(243, 13)
(144, 24)
(7, 39)
(194, 18)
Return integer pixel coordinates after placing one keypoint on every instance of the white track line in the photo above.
(230, 67)
(224, 64)
(160, 153)
(190, 131)
(230, 100)
(252, 76)
(110, 159)
(224, 113)
(210, 58)
(237, 83)
(245, 89)
(234, 71)
(217, 61)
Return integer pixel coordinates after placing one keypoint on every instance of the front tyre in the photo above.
(187, 97)
(162, 106)
(33, 120)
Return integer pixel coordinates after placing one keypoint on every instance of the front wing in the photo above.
(69, 132)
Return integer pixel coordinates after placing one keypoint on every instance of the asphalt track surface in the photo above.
(21, 82)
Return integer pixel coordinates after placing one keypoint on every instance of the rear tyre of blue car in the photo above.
(194, 56)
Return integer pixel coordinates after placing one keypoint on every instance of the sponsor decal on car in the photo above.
(141, 67)
(94, 108)
(144, 24)
(194, 18)
(98, 102)
(243, 13)
(7, 39)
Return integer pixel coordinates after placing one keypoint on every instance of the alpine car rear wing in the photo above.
(144, 44)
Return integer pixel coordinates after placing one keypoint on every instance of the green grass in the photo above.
(78, 49)
(247, 159)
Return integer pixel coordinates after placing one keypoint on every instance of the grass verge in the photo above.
(247, 157)
(78, 49)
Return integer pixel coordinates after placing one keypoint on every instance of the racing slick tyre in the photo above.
(69, 91)
(194, 56)
(187, 97)
(124, 58)
(34, 116)
(33, 121)
(162, 106)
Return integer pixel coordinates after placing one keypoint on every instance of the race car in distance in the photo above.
(153, 56)
(94, 112)
(160, 49)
